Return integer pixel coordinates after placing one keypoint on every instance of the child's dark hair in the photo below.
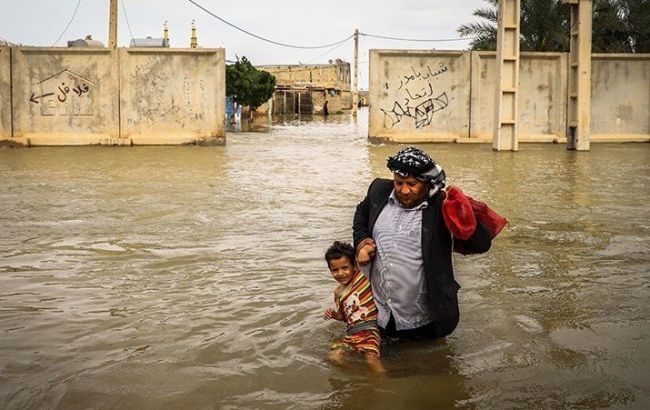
(338, 250)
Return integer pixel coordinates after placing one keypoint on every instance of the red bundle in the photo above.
(458, 214)
(461, 213)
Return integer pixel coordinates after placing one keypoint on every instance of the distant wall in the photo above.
(85, 96)
(173, 96)
(334, 102)
(430, 96)
(5, 93)
(335, 75)
(620, 97)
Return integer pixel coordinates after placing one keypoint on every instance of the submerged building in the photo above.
(308, 88)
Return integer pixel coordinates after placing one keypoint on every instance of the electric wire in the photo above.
(327, 52)
(277, 43)
(126, 17)
(68, 25)
(416, 39)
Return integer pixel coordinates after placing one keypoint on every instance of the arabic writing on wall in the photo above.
(418, 100)
(64, 93)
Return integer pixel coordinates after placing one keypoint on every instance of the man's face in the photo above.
(409, 191)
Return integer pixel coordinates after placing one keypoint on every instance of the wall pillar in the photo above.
(505, 124)
(579, 101)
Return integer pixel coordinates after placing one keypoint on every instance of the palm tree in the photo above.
(618, 26)
(484, 32)
(544, 26)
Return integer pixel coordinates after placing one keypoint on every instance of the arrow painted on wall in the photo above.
(34, 99)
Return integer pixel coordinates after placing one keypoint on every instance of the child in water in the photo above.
(354, 305)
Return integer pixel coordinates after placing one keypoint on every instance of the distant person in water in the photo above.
(326, 110)
(354, 305)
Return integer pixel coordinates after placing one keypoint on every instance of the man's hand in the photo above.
(367, 250)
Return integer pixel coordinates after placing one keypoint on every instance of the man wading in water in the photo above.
(400, 223)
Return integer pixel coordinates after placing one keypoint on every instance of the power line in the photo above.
(266, 39)
(68, 25)
(416, 39)
(327, 52)
(126, 17)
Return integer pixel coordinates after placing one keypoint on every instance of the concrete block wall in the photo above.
(419, 95)
(5, 93)
(86, 96)
(172, 96)
(620, 97)
(542, 96)
(334, 102)
(64, 96)
(437, 96)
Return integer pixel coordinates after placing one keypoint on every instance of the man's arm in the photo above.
(360, 228)
(479, 242)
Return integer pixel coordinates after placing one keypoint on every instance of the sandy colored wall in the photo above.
(172, 96)
(64, 96)
(542, 96)
(5, 93)
(407, 103)
(321, 75)
(419, 95)
(620, 97)
(334, 102)
(86, 96)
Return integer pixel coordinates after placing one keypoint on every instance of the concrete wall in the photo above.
(424, 96)
(335, 75)
(334, 102)
(5, 93)
(64, 96)
(85, 96)
(172, 96)
(542, 97)
(620, 97)
(419, 95)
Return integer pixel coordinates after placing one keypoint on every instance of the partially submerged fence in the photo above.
(85, 96)
(445, 96)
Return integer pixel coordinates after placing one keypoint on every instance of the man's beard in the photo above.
(409, 201)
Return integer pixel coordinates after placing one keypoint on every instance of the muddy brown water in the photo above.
(192, 277)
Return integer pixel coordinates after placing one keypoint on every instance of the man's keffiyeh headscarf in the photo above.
(413, 162)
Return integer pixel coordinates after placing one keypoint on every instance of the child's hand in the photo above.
(366, 253)
(332, 314)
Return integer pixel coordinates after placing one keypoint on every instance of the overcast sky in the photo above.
(302, 23)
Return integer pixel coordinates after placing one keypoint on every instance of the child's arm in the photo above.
(334, 314)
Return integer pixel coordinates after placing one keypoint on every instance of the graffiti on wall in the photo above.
(64, 93)
(419, 99)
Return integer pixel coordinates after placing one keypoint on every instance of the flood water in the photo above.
(193, 277)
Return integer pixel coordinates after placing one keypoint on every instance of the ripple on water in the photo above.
(181, 277)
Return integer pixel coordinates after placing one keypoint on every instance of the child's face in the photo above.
(342, 269)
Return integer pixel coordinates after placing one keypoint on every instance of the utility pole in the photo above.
(355, 77)
(112, 25)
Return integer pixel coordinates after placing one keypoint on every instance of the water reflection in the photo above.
(192, 277)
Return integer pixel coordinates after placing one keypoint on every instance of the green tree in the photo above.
(618, 26)
(635, 15)
(247, 85)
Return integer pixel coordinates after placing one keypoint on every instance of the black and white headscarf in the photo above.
(414, 162)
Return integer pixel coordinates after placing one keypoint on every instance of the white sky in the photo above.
(40, 22)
